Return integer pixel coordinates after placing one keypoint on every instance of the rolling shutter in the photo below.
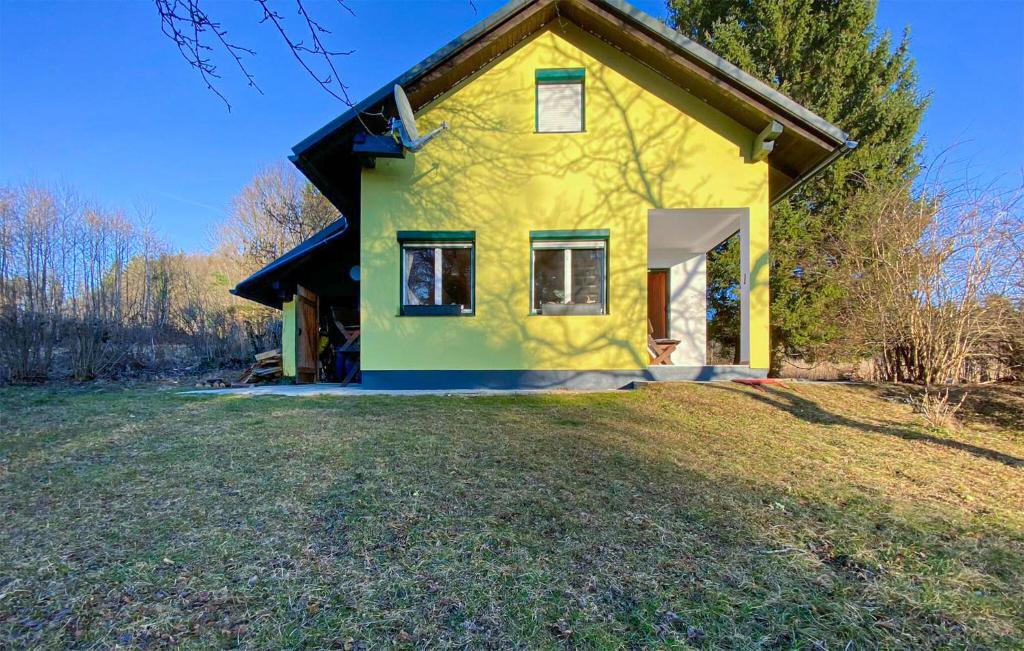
(559, 107)
(560, 100)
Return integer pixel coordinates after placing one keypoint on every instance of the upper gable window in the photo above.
(560, 100)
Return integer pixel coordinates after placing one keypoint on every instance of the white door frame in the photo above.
(745, 288)
(710, 227)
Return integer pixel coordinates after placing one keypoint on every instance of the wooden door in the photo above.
(657, 302)
(307, 333)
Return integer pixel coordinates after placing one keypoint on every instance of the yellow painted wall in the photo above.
(288, 338)
(647, 144)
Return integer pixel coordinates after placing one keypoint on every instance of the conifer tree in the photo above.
(829, 56)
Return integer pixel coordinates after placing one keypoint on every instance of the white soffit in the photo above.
(696, 230)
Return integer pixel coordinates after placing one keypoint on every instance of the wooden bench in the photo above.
(660, 350)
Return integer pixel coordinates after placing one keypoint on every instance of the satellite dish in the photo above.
(405, 113)
(404, 126)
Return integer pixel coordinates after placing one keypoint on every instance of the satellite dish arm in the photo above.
(419, 143)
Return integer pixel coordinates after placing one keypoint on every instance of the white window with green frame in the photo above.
(569, 272)
(561, 100)
(438, 273)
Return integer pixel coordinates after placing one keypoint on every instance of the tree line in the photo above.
(91, 292)
(928, 283)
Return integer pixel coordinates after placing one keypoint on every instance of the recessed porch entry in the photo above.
(678, 241)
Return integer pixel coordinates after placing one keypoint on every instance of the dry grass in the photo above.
(686, 515)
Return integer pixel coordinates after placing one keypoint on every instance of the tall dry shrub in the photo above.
(930, 279)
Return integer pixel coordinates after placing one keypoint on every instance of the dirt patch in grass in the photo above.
(686, 515)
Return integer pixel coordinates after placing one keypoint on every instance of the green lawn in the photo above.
(687, 515)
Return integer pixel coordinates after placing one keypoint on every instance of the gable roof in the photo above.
(807, 144)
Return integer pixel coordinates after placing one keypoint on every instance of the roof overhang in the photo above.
(276, 282)
(807, 143)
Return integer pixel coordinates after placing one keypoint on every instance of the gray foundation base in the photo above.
(620, 379)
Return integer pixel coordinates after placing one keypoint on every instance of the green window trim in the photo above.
(436, 236)
(576, 234)
(560, 75)
(544, 76)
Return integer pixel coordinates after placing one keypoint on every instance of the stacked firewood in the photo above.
(267, 367)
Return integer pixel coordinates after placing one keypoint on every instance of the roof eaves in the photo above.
(327, 234)
(730, 70)
(751, 84)
(810, 174)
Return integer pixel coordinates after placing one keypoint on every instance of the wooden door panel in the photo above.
(657, 302)
(307, 333)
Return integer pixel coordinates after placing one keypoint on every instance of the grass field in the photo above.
(690, 515)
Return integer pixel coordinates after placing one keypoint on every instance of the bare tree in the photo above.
(35, 263)
(89, 292)
(276, 211)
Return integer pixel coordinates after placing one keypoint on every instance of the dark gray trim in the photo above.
(368, 148)
(434, 310)
(602, 379)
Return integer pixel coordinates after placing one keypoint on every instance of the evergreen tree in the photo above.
(829, 56)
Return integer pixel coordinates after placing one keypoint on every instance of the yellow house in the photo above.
(555, 234)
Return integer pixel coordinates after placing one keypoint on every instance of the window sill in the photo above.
(568, 311)
(433, 310)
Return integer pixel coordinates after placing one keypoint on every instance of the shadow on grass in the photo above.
(535, 513)
(812, 412)
(999, 405)
(525, 522)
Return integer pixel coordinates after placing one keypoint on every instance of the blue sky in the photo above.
(93, 95)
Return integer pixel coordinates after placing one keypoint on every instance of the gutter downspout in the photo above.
(839, 152)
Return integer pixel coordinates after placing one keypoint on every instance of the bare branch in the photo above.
(186, 24)
(198, 37)
(298, 49)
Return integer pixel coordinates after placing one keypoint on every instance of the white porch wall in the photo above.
(687, 318)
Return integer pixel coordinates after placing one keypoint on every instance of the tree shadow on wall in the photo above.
(492, 168)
